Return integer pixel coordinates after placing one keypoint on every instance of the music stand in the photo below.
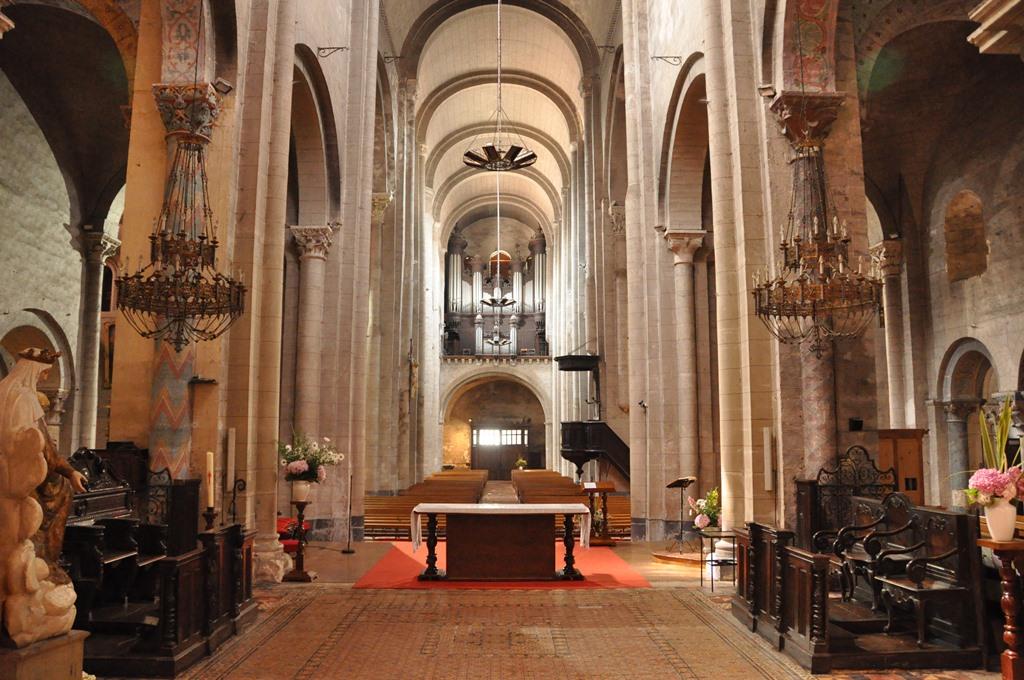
(682, 484)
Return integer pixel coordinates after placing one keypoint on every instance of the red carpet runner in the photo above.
(601, 567)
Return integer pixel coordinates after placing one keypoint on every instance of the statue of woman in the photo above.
(36, 486)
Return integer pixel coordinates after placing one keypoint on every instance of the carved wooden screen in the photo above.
(855, 474)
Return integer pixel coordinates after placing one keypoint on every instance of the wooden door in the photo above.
(903, 450)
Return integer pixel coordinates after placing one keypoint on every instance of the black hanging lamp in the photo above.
(506, 149)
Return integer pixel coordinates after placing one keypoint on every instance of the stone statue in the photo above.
(36, 485)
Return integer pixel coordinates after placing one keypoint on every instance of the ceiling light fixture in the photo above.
(506, 149)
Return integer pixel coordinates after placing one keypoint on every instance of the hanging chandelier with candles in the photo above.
(179, 296)
(506, 149)
(816, 294)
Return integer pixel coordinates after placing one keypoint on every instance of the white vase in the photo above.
(1001, 516)
(300, 490)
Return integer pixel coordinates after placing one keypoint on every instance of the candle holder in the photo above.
(209, 515)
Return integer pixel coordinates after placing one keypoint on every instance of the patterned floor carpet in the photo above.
(326, 631)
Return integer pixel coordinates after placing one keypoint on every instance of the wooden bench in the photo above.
(937, 576)
(879, 543)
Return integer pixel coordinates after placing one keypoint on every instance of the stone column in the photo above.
(271, 562)
(313, 244)
(97, 247)
(189, 112)
(806, 120)
(683, 245)
(957, 412)
(891, 252)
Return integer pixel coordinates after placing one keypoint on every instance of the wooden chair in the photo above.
(877, 547)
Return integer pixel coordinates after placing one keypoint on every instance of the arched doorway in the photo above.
(493, 424)
(968, 379)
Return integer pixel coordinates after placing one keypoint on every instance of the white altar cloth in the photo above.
(499, 509)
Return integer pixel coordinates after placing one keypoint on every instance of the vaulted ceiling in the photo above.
(449, 48)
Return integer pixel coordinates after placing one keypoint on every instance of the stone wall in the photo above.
(40, 269)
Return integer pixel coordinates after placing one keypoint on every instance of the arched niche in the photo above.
(964, 232)
(500, 407)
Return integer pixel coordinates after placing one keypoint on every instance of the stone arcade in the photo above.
(464, 335)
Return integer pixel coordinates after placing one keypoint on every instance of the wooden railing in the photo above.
(782, 593)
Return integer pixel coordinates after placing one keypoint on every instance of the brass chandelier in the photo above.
(816, 295)
(506, 149)
(179, 296)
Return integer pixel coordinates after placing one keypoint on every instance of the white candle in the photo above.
(231, 460)
(209, 479)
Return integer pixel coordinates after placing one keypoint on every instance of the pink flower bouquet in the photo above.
(306, 458)
(1000, 478)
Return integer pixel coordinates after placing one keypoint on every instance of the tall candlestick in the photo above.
(209, 479)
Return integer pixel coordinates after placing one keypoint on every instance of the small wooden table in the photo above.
(299, 573)
(1011, 559)
(595, 490)
(500, 541)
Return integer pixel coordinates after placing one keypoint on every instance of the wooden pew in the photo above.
(782, 593)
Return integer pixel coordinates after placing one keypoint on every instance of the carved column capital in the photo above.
(957, 410)
(538, 244)
(806, 118)
(98, 246)
(313, 242)
(380, 203)
(616, 219)
(186, 108)
(889, 254)
(684, 243)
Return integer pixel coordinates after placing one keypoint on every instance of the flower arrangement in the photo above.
(705, 511)
(306, 458)
(1000, 477)
(520, 463)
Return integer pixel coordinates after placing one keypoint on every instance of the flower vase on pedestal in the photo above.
(1001, 517)
(300, 490)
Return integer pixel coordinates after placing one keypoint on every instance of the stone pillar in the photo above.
(313, 244)
(806, 119)
(891, 252)
(97, 247)
(683, 245)
(271, 562)
(188, 111)
(957, 412)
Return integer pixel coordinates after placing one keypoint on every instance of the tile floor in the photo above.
(673, 630)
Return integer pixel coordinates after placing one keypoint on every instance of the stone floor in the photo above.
(673, 630)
